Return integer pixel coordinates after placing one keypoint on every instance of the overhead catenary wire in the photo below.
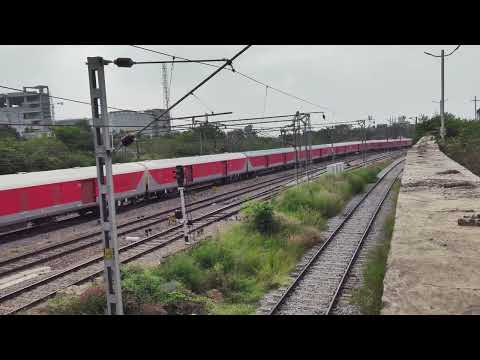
(201, 102)
(116, 126)
(241, 74)
(228, 62)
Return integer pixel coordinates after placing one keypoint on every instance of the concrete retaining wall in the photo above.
(434, 264)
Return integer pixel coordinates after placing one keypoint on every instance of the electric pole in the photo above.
(475, 100)
(180, 176)
(442, 101)
(442, 104)
(106, 198)
(295, 143)
(364, 141)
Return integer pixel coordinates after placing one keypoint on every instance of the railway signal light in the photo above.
(178, 214)
(128, 139)
(179, 175)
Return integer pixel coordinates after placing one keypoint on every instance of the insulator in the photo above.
(124, 62)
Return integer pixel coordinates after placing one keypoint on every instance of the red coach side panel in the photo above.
(126, 182)
(237, 166)
(290, 156)
(163, 176)
(10, 201)
(207, 171)
(258, 161)
(275, 159)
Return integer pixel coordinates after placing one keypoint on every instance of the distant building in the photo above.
(27, 111)
(131, 121)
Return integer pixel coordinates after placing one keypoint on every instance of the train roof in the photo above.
(268, 151)
(22, 180)
(191, 160)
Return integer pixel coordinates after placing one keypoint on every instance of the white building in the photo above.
(131, 121)
(27, 111)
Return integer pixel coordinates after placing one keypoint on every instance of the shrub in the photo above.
(90, 302)
(185, 269)
(356, 182)
(260, 216)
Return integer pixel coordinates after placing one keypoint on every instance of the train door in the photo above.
(188, 173)
(88, 191)
(224, 169)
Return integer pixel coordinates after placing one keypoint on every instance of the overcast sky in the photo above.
(351, 82)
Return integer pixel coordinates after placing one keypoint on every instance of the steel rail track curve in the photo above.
(298, 279)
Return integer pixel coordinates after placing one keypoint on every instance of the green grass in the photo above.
(368, 297)
(241, 264)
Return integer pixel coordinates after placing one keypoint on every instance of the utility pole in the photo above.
(309, 146)
(295, 143)
(475, 100)
(180, 176)
(305, 119)
(442, 103)
(106, 198)
(364, 141)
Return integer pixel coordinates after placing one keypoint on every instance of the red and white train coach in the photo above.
(45, 194)
(29, 196)
(160, 174)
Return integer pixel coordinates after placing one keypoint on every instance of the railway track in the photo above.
(316, 288)
(34, 292)
(44, 254)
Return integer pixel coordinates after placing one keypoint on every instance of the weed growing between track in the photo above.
(368, 297)
(232, 271)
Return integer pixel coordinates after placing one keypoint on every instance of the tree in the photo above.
(8, 132)
(78, 137)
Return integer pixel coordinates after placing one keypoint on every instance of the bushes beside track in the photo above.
(232, 271)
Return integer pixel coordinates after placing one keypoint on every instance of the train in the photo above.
(42, 196)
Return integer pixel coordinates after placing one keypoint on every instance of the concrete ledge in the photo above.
(434, 264)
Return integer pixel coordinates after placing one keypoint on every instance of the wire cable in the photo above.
(193, 90)
(201, 102)
(265, 101)
(241, 74)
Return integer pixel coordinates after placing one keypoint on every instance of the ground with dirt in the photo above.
(433, 262)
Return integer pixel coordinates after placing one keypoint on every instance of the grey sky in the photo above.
(351, 81)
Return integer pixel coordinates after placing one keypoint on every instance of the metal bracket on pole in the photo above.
(106, 197)
(184, 215)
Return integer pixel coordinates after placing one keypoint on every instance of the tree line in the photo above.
(72, 146)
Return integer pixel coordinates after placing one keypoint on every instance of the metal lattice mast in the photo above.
(106, 198)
